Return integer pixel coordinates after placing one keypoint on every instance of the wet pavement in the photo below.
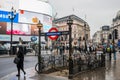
(32, 75)
(110, 72)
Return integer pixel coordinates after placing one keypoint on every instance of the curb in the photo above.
(6, 56)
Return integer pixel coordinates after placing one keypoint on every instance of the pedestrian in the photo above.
(114, 52)
(108, 51)
(20, 65)
(51, 49)
(118, 44)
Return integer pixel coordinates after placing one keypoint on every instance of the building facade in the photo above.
(80, 28)
(24, 23)
(116, 25)
(97, 37)
(109, 34)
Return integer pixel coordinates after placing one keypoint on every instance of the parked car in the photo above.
(29, 50)
(3, 50)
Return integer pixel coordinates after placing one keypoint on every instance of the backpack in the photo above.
(108, 49)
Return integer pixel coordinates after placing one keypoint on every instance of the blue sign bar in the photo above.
(53, 33)
(4, 17)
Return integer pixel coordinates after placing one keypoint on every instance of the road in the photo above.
(7, 66)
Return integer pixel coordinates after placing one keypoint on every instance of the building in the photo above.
(24, 24)
(102, 36)
(97, 38)
(105, 31)
(116, 25)
(79, 29)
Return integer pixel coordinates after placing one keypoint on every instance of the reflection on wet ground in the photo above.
(98, 74)
(110, 72)
(113, 70)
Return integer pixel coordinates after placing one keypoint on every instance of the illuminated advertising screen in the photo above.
(6, 5)
(5, 18)
(28, 17)
(5, 9)
(26, 14)
(28, 11)
(37, 6)
(21, 29)
(18, 29)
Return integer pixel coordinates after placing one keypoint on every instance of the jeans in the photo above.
(114, 55)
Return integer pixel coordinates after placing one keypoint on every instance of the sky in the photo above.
(98, 12)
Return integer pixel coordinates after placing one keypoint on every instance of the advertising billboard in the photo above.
(28, 17)
(105, 28)
(6, 5)
(28, 11)
(36, 6)
(5, 18)
(18, 29)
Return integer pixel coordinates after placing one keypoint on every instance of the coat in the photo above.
(20, 55)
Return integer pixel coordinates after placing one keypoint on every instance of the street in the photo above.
(7, 66)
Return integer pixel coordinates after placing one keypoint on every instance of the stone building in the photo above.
(79, 29)
(116, 26)
(110, 34)
(101, 36)
(97, 37)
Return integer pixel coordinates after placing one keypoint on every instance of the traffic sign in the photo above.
(52, 30)
(42, 34)
(33, 38)
(64, 32)
(53, 33)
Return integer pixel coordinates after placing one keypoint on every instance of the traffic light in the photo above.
(116, 33)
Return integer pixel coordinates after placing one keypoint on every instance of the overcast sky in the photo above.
(98, 12)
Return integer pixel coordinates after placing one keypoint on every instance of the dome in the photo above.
(118, 14)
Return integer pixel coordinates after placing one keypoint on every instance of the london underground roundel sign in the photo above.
(55, 36)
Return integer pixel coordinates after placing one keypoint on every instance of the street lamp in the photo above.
(85, 37)
(79, 41)
(11, 16)
(70, 22)
(39, 25)
(113, 36)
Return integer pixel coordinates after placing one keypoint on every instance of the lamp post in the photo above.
(11, 16)
(39, 25)
(113, 36)
(85, 37)
(70, 22)
(79, 41)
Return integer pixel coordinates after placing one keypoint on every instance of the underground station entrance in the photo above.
(68, 60)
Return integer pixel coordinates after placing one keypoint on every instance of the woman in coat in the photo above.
(20, 65)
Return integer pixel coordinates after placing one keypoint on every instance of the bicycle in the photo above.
(42, 66)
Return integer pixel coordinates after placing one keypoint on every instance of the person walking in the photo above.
(20, 65)
(114, 52)
(108, 50)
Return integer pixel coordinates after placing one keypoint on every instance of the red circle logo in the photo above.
(53, 37)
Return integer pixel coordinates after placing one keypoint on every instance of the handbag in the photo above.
(16, 60)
